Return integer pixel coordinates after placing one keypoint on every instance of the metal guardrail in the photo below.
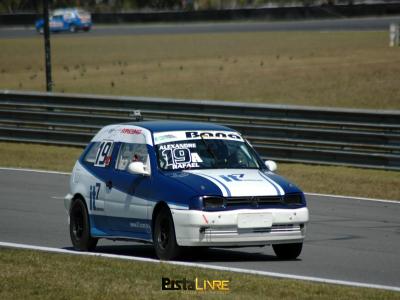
(362, 138)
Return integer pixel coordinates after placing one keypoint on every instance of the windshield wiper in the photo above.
(209, 150)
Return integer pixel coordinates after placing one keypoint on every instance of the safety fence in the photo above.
(363, 138)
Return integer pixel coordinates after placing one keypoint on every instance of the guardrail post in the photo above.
(49, 81)
(394, 35)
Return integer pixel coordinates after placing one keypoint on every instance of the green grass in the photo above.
(35, 156)
(37, 275)
(347, 181)
(347, 69)
(310, 178)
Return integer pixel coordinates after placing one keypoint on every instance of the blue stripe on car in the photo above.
(271, 182)
(225, 187)
(286, 185)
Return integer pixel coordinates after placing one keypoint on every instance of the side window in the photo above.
(68, 16)
(91, 155)
(131, 152)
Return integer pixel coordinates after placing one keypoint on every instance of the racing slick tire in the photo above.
(164, 238)
(288, 251)
(79, 227)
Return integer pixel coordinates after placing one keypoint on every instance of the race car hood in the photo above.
(235, 182)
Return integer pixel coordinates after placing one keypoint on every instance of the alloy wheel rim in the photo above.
(163, 237)
(77, 227)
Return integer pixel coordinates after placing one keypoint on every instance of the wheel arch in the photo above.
(82, 241)
(159, 206)
(76, 197)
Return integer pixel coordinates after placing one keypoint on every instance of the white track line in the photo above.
(35, 171)
(311, 194)
(354, 198)
(204, 266)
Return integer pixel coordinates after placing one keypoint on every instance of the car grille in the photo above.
(253, 201)
(256, 201)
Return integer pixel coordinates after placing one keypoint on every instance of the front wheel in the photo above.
(164, 236)
(79, 227)
(288, 251)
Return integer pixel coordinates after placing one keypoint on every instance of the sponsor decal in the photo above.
(56, 24)
(139, 225)
(236, 177)
(131, 131)
(213, 134)
(174, 136)
(111, 130)
(179, 156)
(177, 146)
(184, 284)
(167, 137)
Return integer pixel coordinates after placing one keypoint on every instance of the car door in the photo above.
(127, 197)
(97, 162)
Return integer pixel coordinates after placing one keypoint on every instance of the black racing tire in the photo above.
(164, 237)
(79, 227)
(40, 30)
(288, 251)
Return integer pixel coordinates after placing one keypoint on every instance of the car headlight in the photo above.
(211, 202)
(293, 199)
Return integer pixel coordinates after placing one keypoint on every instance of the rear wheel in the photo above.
(288, 251)
(79, 227)
(164, 236)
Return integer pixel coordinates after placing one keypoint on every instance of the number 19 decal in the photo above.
(103, 154)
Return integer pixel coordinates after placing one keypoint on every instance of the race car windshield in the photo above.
(204, 153)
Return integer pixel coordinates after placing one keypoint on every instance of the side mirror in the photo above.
(138, 167)
(271, 165)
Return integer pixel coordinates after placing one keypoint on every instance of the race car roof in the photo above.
(160, 126)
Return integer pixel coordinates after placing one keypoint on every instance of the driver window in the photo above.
(130, 152)
(68, 16)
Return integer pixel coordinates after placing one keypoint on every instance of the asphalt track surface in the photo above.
(341, 24)
(347, 239)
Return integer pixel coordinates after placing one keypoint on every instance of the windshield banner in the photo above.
(172, 136)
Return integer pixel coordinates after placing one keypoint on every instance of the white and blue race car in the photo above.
(66, 19)
(181, 184)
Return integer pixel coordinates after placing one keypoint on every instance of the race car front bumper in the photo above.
(242, 227)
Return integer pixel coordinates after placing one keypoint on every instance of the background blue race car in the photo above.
(68, 19)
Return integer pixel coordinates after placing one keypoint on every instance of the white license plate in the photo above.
(261, 220)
